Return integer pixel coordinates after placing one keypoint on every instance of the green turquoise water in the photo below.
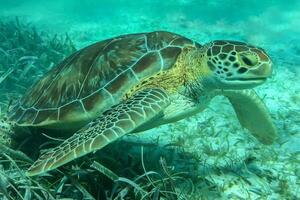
(215, 157)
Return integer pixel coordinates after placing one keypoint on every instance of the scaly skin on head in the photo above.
(235, 65)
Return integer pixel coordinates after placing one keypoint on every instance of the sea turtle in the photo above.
(135, 82)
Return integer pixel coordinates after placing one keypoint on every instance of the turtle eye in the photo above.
(246, 60)
(249, 60)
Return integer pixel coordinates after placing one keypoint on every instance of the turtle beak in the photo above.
(264, 71)
(254, 76)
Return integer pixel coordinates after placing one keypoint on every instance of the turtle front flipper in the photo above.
(253, 114)
(114, 123)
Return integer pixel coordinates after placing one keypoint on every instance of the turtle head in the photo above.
(236, 65)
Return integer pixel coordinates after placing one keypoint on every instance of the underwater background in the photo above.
(207, 156)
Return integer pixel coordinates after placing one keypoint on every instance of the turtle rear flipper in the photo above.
(114, 123)
(253, 114)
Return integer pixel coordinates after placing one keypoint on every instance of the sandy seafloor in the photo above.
(213, 136)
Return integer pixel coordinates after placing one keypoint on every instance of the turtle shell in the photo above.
(94, 78)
